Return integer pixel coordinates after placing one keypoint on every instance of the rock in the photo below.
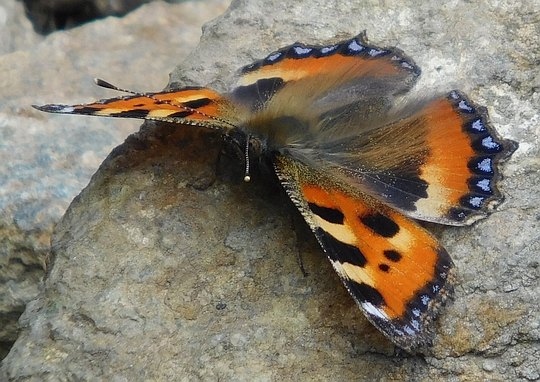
(50, 15)
(46, 162)
(168, 268)
(15, 29)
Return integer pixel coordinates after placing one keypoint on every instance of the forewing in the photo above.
(350, 69)
(395, 270)
(194, 105)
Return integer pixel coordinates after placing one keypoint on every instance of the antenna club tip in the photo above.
(247, 178)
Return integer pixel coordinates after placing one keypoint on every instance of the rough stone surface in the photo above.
(46, 160)
(168, 267)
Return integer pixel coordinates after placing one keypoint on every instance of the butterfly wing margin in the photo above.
(192, 105)
(393, 268)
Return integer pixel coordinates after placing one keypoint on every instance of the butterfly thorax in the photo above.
(280, 131)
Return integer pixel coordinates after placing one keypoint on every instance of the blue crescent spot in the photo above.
(274, 57)
(484, 184)
(355, 46)
(300, 50)
(328, 49)
(485, 165)
(489, 143)
(478, 125)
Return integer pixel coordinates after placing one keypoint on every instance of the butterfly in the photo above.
(359, 156)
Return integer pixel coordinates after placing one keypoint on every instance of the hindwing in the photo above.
(435, 161)
(394, 269)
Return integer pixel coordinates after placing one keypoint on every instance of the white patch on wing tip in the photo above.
(67, 109)
(300, 50)
(409, 330)
(373, 310)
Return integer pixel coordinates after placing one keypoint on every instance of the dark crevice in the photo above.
(48, 16)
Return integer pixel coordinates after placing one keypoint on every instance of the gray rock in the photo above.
(166, 268)
(15, 29)
(46, 162)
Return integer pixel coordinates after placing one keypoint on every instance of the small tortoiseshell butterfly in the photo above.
(358, 157)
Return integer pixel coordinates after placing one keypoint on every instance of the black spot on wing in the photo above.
(197, 103)
(259, 92)
(331, 215)
(133, 113)
(339, 251)
(402, 190)
(380, 224)
(86, 110)
(365, 293)
(384, 267)
(180, 114)
(392, 255)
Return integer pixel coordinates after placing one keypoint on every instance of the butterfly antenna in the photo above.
(108, 85)
(247, 178)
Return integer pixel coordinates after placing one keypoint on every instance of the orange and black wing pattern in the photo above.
(358, 155)
(394, 269)
(311, 66)
(439, 163)
(193, 106)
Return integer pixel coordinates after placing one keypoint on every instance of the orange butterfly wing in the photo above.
(438, 164)
(461, 169)
(193, 105)
(308, 67)
(394, 269)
